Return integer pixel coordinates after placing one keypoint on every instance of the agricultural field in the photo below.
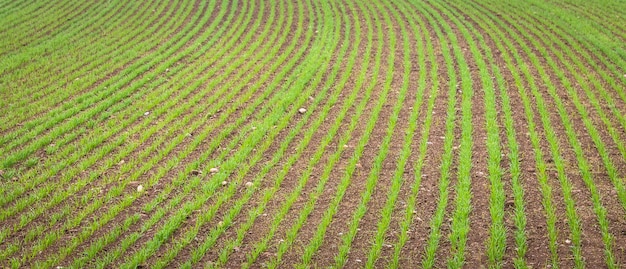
(309, 134)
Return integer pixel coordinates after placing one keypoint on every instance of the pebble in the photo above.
(147, 113)
(224, 183)
(248, 184)
(214, 170)
(357, 260)
(567, 241)
(301, 110)
(140, 188)
(121, 162)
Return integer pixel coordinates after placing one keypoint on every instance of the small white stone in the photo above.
(301, 110)
(147, 113)
(249, 184)
(139, 188)
(224, 183)
(214, 170)
(358, 260)
(567, 241)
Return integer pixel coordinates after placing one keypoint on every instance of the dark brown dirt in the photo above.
(428, 195)
(592, 245)
(291, 181)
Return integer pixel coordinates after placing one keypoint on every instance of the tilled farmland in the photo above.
(307, 134)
